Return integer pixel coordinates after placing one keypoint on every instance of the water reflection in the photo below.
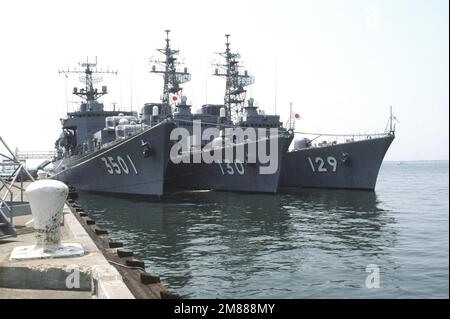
(342, 219)
(221, 242)
(342, 200)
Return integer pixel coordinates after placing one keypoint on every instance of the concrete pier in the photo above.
(91, 273)
(88, 276)
(106, 270)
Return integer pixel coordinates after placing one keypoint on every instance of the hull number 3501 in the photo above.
(118, 165)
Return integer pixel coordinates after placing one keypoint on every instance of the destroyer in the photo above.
(353, 164)
(235, 173)
(110, 151)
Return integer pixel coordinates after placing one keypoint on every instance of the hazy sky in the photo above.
(341, 63)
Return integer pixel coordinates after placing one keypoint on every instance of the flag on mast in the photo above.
(173, 99)
(295, 116)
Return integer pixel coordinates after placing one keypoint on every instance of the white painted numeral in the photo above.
(123, 165)
(114, 165)
(232, 168)
(311, 163)
(221, 169)
(319, 165)
(108, 167)
(118, 165)
(332, 161)
(240, 168)
(321, 162)
(132, 165)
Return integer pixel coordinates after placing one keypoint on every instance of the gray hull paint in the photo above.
(141, 176)
(202, 176)
(360, 171)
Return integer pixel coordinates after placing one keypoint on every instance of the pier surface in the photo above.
(88, 276)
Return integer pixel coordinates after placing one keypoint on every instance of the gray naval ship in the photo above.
(227, 174)
(351, 164)
(110, 151)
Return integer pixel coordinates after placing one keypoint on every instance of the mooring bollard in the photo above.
(41, 174)
(47, 199)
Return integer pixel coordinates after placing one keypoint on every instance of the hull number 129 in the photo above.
(319, 165)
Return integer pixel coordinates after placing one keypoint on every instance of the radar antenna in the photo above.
(168, 68)
(86, 71)
(236, 81)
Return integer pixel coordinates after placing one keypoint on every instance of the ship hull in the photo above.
(234, 177)
(353, 165)
(122, 168)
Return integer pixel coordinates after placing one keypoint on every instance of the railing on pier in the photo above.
(15, 173)
(21, 155)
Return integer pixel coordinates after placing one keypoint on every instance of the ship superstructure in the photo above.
(110, 151)
(229, 174)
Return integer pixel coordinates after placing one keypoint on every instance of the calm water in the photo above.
(308, 244)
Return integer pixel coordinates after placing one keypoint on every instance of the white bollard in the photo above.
(41, 175)
(47, 198)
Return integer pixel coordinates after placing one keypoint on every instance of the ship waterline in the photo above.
(231, 175)
(352, 165)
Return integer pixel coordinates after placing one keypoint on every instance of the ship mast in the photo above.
(390, 119)
(236, 81)
(172, 78)
(391, 122)
(88, 93)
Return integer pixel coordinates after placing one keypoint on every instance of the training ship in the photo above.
(351, 164)
(225, 174)
(110, 151)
